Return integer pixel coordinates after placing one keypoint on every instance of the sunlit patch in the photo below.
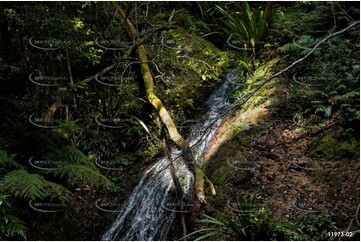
(290, 134)
(77, 23)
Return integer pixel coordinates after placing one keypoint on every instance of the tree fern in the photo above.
(22, 184)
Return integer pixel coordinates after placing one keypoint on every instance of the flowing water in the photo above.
(149, 211)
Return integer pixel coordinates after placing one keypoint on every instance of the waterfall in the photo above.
(148, 213)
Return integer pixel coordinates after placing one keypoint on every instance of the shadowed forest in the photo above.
(180, 121)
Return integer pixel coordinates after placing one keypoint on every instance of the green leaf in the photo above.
(142, 123)
(197, 232)
(210, 234)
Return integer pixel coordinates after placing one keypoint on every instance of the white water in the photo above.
(147, 214)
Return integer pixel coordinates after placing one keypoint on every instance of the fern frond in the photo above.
(289, 47)
(83, 174)
(77, 169)
(67, 129)
(7, 160)
(70, 154)
(347, 96)
(12, 226)
(22, 184)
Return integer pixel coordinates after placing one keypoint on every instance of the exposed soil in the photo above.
(283, 163)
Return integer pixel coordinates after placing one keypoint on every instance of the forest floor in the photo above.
(298, 171)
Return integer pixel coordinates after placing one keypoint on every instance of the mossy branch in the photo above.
(200, 177)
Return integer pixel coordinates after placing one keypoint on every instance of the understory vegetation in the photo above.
(76, 126)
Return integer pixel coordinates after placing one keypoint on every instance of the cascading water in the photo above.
(147, 214)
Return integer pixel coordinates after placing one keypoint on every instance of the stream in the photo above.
(150, 210)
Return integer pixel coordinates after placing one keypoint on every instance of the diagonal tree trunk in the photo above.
(200, 177)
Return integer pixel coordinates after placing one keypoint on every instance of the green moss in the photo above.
(191, 66)
(325, 148)
(261, 96)
(330, 148)
(222, 171)
(349, 149)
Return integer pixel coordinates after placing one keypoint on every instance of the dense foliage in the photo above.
(103, 132)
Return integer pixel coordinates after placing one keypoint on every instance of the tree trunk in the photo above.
(49, 115)
(200, 177)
